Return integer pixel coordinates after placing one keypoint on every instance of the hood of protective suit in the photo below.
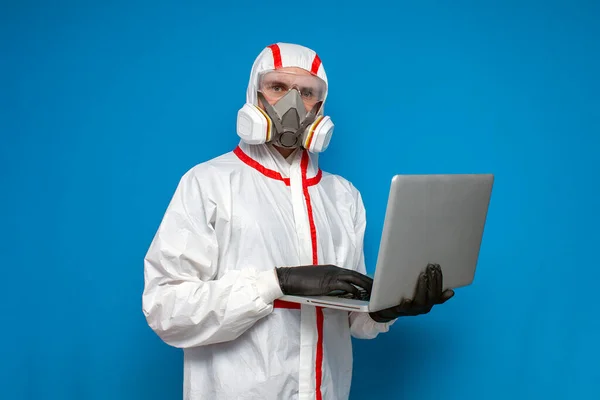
(281, 55)
(311, 130)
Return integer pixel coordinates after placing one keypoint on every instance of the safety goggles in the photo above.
(276, 84)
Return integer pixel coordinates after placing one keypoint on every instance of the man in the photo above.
(262, 221)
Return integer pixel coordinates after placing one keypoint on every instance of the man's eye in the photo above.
(277, 88)
(307, 93)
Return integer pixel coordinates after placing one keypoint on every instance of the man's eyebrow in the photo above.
(275, 81)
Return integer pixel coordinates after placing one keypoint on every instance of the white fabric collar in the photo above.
(268, 157)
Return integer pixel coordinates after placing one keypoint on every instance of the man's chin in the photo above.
(286, 151)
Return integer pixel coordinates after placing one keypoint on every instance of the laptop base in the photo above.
(330, 302)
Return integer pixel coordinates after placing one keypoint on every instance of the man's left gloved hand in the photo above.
(429, 292)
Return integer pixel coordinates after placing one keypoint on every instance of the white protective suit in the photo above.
(210, 285)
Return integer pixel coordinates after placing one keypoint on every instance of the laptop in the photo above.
(437, 219)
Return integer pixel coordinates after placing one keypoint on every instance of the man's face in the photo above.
(276, 84)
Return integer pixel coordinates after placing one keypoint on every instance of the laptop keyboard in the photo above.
(364, 295)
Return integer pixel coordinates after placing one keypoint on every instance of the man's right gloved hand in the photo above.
(320, 280)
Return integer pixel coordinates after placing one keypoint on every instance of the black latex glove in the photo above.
(428, 293)
(320, 280)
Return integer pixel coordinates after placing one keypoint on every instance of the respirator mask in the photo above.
(285, 121)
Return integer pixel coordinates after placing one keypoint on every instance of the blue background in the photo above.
(104, 105)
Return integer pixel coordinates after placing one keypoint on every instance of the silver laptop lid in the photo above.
(435, 219)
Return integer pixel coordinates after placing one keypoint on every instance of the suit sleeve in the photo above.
(361, 324)
(186, 301)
